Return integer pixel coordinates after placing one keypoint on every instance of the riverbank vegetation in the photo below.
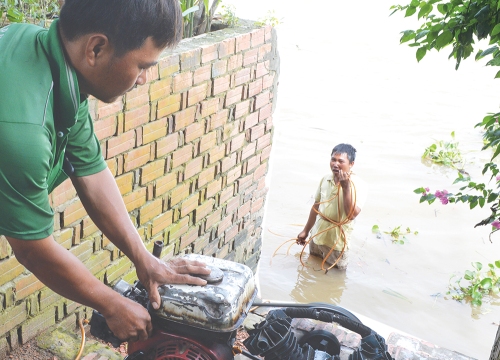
(458, 25)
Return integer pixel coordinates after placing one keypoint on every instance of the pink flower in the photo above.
(496, 224)
(498, 177)
(442, 196)
(427, 189)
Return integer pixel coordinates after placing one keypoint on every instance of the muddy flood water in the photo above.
(345, 78)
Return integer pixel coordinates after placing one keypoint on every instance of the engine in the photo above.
(201, 322)
(193, 322)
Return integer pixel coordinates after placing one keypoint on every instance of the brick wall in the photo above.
(190, 153)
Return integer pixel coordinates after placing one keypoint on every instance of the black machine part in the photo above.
(272, 340)
(99, 328)
(322, 340)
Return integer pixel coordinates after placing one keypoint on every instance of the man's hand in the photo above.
(153, 273)
(343, 178)
(301, 238)
(128, 320)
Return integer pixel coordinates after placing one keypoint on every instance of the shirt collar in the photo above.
(66, 90)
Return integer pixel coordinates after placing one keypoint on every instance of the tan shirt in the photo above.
(334, 209)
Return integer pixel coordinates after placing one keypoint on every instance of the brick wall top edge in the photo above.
(245, 26)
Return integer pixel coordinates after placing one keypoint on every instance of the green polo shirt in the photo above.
(43, 120)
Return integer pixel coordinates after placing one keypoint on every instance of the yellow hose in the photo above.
(82, 344)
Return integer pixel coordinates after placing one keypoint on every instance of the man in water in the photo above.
(99, 48)
(338, 201)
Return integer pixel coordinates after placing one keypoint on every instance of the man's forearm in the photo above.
(104, 204)
(62, 272)
(350, 208)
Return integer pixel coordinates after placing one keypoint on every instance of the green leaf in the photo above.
(420, 190)
(497, 264)
(410, 11)
(375, 229)
(469, 275)
(492, 197)
(444, 39)
(190, 10)
(421, 34)
(426, 9)
(477, 302)
(495, 30)
(477, 265)
(421, 53)
(486, 283)
(481, 201)
(407, 35)
(481, 14)
(489, 50)
(497, 150)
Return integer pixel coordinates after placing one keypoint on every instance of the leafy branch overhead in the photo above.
(457, 23)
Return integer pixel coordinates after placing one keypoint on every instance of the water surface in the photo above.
(345, 78)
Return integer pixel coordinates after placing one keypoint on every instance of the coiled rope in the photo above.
(334, 224)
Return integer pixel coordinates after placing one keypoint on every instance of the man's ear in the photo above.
(97, 47)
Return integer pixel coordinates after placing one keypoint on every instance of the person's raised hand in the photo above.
(344, 177)
(153, 272)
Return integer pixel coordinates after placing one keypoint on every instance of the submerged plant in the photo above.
(444, 153)
(480, 284)
(398, 235)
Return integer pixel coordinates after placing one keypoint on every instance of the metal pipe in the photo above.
(157, 248)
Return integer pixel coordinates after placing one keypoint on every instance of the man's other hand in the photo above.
(301, 238)
(153, 273)
(128, 320)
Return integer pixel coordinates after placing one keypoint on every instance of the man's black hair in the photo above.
(126, 23)
(347, 149)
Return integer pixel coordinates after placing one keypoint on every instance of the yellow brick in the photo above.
(125, 183)
(73, 213)
(154, 130)
(160, 89)
(150, 210)
(135, 199)
(189, 204)
(168, 106)
(165, 183)
(162, 222)
(152, 171)
(179, 193)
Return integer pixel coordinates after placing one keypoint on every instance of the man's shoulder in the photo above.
(327, 177)
(26, 77)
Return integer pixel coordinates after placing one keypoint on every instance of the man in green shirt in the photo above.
(99, 48)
